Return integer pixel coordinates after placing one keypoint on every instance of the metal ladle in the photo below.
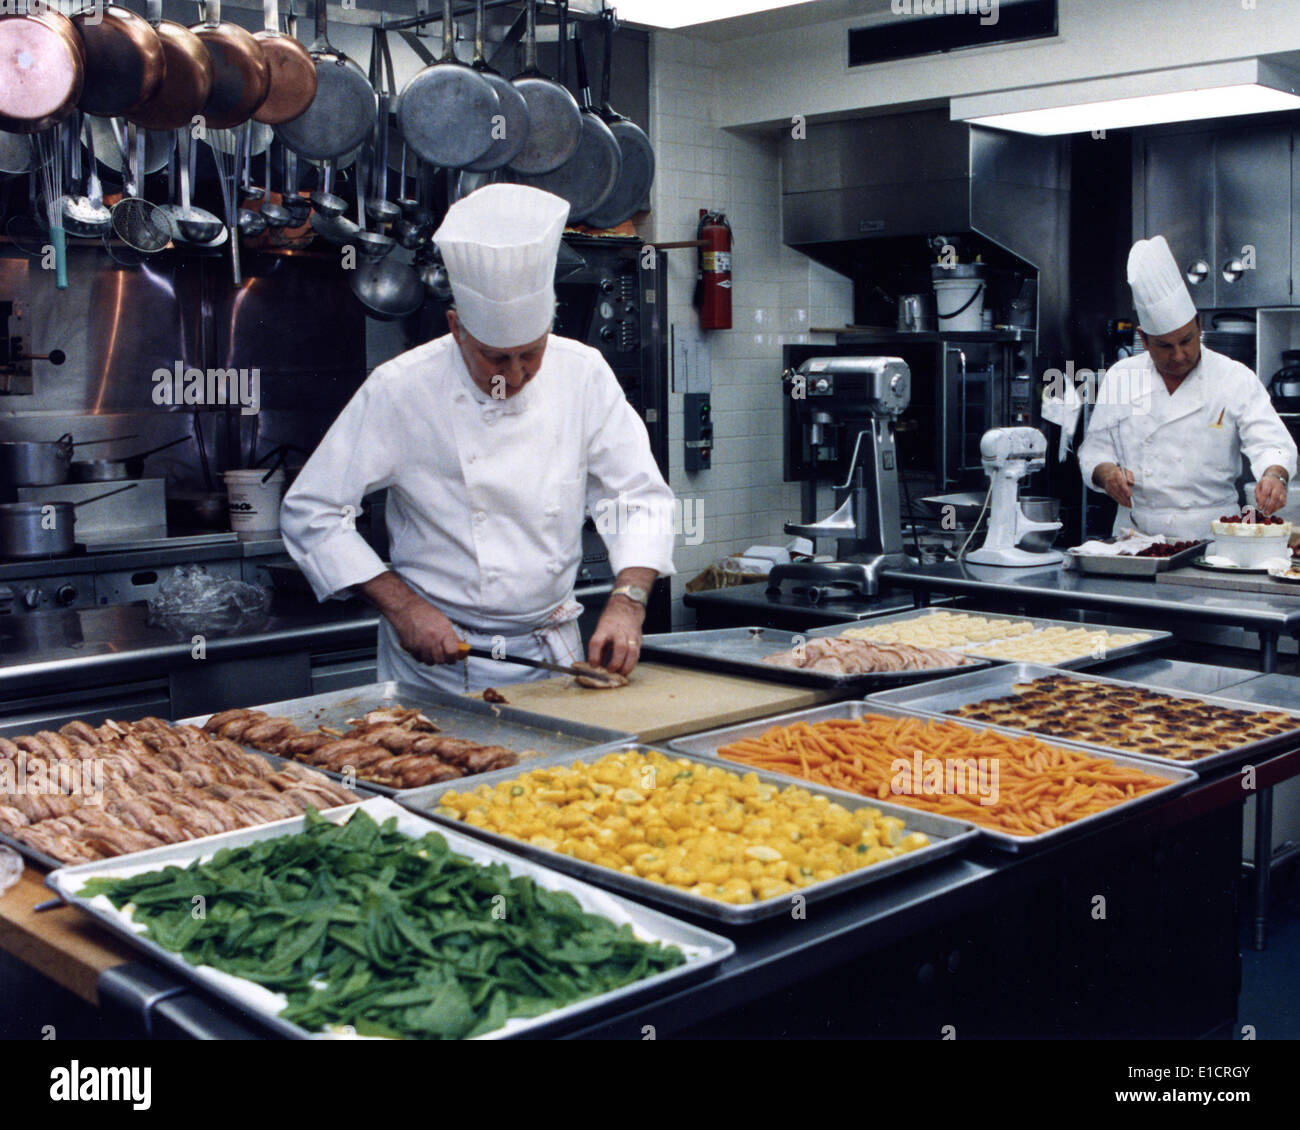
(372, 245)
(324, 200)
(191, 224)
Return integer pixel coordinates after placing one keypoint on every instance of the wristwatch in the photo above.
(633, 592)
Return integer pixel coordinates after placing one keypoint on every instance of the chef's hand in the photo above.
(1270, 493)
(1116, 482)
(616, 642)
(421, 629)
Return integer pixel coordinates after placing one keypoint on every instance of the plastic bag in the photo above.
(191, 599)
(11, 868)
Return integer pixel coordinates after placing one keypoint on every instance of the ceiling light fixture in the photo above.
(1179, 94)
(684, 13)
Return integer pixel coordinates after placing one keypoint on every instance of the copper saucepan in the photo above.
(42, 70)
(187, 77)
(293, 71)
(124, 60)
(241, 77)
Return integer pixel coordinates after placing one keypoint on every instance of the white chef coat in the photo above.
(1184, 449)
(485, 496)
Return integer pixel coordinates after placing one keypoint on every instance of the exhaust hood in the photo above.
(849, 185)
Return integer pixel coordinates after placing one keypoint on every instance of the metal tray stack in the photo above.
(530, 735)
(948, 695)
(1156, 639)
(740, 651)
(946, 835)
(706, 745)
(1131, 566)
(703, 949)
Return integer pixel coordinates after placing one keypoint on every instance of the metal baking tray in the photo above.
(1158, 638)
(950, 694)
(1133, 566)
(946, 834)
(528, 734)
(50, 863)
(706, 745)
(703, 949)
(739, 651)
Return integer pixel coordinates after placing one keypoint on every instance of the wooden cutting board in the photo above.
(664, 702)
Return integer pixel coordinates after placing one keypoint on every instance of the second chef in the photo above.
(490, 440)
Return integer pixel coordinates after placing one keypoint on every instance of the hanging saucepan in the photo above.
(113, 470)
(591, 174)
(342, 113)
(187, 77)
(293, 71)
(447, 112)
(555, 122)
(638, 168)
(42, 70)
(124, 60)
(240, 76)
(43, 529)
(512, 135)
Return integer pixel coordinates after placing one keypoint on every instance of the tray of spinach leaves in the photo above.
(373, 922)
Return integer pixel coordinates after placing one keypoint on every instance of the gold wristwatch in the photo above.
(633, 592)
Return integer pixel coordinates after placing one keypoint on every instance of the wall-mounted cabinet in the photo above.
(1226, 200)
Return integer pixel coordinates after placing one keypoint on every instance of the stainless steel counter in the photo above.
(1158, 606)
(61, 649)
(139, 559)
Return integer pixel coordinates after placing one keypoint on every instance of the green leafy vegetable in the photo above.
(361, 925)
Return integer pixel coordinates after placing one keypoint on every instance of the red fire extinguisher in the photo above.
(713, 281)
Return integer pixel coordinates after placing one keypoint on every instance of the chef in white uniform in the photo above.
(490, 441)
(1170, 425)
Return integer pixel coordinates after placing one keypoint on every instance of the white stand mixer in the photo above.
(1008, 455)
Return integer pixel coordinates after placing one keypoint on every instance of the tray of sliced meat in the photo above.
(84, 793)
(392, 736)
(796, 657)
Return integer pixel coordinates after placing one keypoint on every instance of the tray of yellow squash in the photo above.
(690, 832)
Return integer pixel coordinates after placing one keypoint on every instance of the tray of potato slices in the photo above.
(691, 832)
(1003, 638)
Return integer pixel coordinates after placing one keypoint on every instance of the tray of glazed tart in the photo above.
(1199, 731)
(1003, 638)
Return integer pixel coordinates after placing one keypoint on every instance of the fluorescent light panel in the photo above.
(684, 13)
(1179, 95)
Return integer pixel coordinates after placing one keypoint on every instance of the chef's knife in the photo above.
(541, 664)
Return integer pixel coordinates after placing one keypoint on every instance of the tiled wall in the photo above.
(778, 295)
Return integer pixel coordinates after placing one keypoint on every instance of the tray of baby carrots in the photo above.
(1020, 791)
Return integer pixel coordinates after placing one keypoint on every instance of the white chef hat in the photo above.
(1159, 293)
(499, 245)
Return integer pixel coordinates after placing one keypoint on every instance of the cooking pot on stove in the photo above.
(1284, 386)
(42, 529)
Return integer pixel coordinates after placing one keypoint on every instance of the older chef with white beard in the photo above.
(490, 441)
(1170, 425)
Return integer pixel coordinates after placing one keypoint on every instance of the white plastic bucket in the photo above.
(960, 304)
(254, 505)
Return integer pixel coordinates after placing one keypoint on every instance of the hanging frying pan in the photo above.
(555, 122)
(510, 138)
(187, 77)
(293, 71)
(342, 114)
(240, 76)
(124, 60)
(447, 112)
(42, 70)
(587, 178)
(638, 168)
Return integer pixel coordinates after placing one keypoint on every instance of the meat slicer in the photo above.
(866, 524)
(1009, 455)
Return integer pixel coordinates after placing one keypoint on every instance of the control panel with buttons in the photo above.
(698, 431)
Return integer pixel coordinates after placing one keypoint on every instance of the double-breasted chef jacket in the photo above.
(486, 496)
(1184, 449)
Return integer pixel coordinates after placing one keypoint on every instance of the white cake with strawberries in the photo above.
(1251, 541)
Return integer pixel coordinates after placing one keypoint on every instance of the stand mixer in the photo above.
(1009, 455)
(867, 523)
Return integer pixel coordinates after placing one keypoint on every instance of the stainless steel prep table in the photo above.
(939, 940)
(742, 605)
(1159, 605)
